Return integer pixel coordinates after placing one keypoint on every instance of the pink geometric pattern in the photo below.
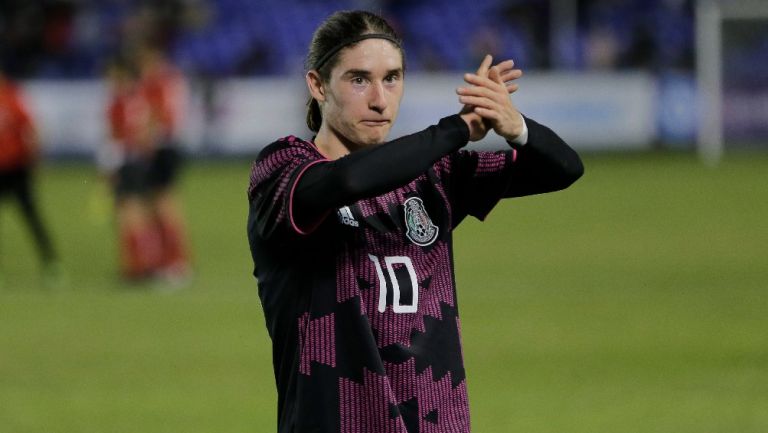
(396, 327)
(286, 160)
(381, 203)
(265, 168)
(365, 408)
(487, 162)
(317, 341)
(444, 195)
(351, 265)
(450, 403)
(490, 162)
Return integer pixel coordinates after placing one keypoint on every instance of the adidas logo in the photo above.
(346, 217)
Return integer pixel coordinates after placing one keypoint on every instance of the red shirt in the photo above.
(130, 121)
(15, 130)
(163, 88)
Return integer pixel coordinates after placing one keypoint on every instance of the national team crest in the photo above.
(419, 227)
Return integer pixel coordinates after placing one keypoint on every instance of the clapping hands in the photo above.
(486, 100)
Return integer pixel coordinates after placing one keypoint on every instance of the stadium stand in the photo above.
(68, 39)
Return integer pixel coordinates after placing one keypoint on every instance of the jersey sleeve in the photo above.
(273, 180)
(476, 181)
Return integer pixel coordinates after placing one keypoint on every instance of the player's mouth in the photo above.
(375, 123)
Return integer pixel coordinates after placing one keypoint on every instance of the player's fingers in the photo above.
(506, 68)
(494, 98)
(512, 74)
(506, 65)
(487, 88)
(512, 88)
(484, 65)
(495, 75)
(483, 92)
(477, 80)
(477, 101)
(487, 114)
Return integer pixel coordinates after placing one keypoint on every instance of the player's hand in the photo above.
(489, 98)
(478, 128)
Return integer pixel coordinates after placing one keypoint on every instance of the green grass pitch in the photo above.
(636, 301)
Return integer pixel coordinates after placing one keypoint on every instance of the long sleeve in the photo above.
(545, 164)
(478, 180)
(376, 170)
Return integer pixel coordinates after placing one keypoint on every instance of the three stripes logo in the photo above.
(346, 217)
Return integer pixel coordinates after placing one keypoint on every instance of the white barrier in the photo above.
(590, 111)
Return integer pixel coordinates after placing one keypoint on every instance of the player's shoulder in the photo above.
(287, 147)
(281, 157)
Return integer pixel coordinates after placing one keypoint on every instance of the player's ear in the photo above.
(315, 85)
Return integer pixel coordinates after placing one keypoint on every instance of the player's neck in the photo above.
(331, 145)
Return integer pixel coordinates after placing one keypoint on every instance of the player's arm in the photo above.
(544, 162)
(375, 170)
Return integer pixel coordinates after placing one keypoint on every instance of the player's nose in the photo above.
(377, 98)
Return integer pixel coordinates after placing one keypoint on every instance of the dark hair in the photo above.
(335, 30)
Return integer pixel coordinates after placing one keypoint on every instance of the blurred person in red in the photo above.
(150, 226)
(164, 87)
(125, 160)
(19, 152)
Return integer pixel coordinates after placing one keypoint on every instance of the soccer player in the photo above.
(142, 164)
(126, 160)
(164, 87)
(350, 235)
(19, 152)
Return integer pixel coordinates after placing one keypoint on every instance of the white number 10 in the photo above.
(389, 262)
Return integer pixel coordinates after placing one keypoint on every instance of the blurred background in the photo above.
(634, 301)
(607, 73)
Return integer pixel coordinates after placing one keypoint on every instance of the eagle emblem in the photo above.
(419, 227)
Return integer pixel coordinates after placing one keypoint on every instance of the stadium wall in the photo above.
(593, 111)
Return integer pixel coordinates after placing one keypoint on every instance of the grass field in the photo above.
(636, 301)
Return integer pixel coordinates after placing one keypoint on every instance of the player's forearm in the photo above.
(545, 164)
(374, 171)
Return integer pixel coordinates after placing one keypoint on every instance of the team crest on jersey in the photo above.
(419, 227)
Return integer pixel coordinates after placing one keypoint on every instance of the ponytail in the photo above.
(314, 116)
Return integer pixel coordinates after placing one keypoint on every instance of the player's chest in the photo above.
(415, 215)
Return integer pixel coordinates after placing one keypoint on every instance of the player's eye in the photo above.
(392, 78)
(358, 80)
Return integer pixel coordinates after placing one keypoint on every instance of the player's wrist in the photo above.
(476, 128)
(519, 135)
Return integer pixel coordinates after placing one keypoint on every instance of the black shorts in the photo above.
(164, 167)
(15, 182)
(133, 179)
(146, 176)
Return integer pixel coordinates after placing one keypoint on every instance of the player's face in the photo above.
(364, 92)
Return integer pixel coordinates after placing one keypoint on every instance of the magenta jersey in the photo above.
(362, 307)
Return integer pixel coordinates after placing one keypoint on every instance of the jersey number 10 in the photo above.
(410, 286)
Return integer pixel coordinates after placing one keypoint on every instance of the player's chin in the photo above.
(377, 136)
